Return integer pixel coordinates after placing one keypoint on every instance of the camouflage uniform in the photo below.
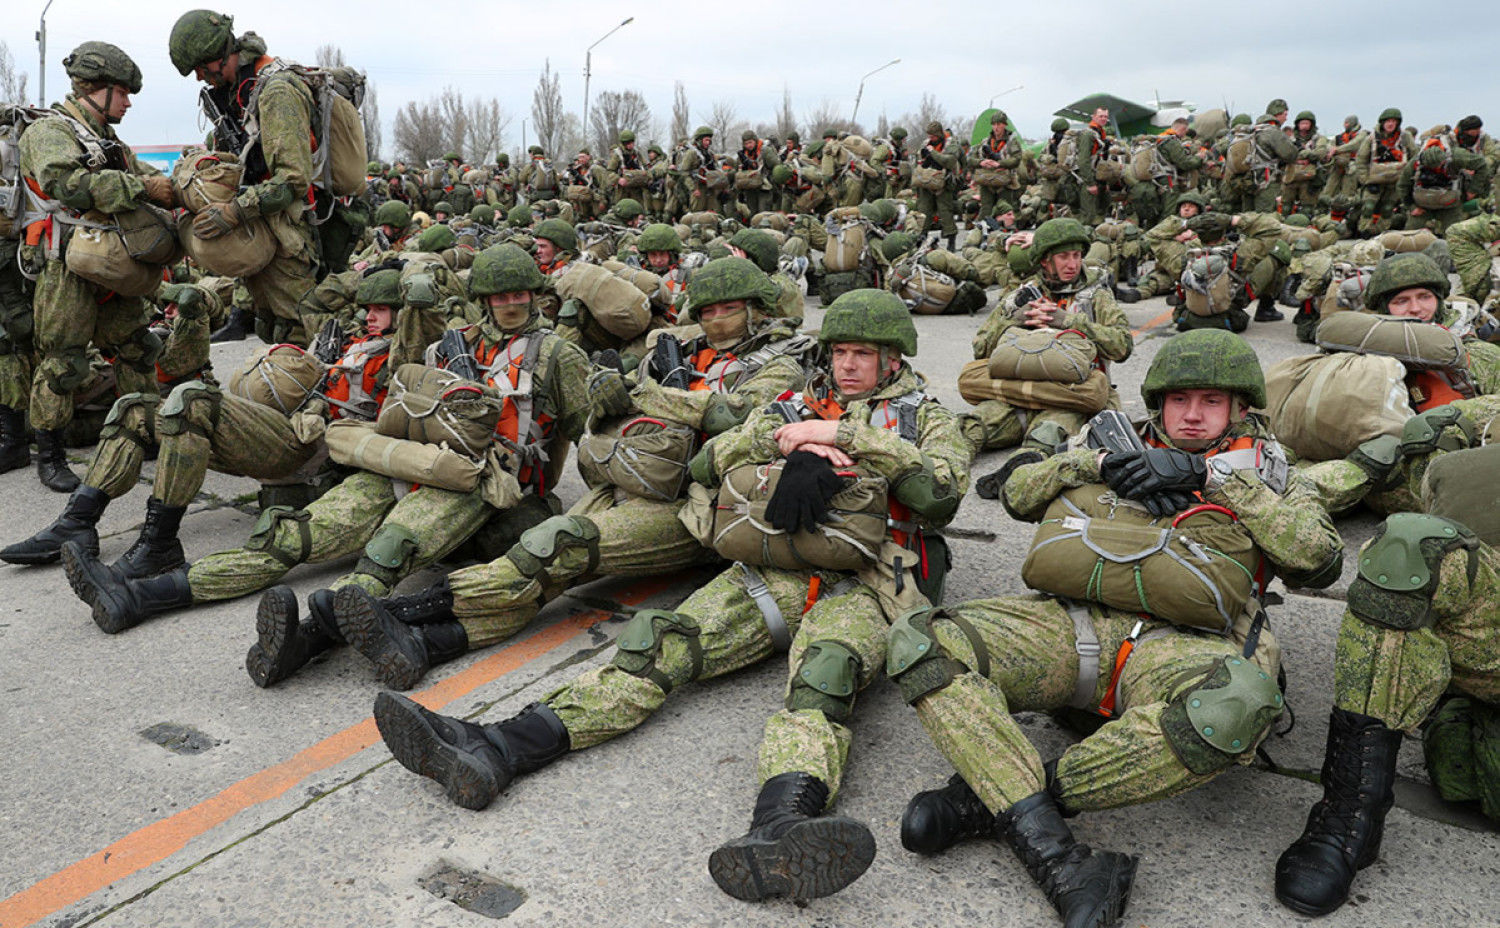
(1276, 151)
(1473, 244)
(1175, 169)
(1302, 196)
(1007, 153)
(1381, 202)
(755, 155)
(1340, 157)
(938, 205)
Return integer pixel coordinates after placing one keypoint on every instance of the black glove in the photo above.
(801, 499)
(1140, 474)
(1169, 503)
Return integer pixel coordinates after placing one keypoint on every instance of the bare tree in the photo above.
(455, 120)
(547, 113)
(614, 112)
(723, 119)
(418, 132)
(827, 115)
(883, 127)
(929, 110)
(12, 80)
(487, 124)
(369, 113)
(786, 120)
(329, 56)
(681, 118)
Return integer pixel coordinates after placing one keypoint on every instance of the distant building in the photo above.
(161, 157)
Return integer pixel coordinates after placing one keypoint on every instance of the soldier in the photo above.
(748, 613)
(627, 167)
(1062, 294)
(1169, 241)
(1173, 169)
(743, 361)
(538, 179)
(390, 228)
(260, 107)
(1183, 703)
(1299, 181)
(937, 154)
(758, 246)
(1471, 244)
(891, 158)
(1377, 169)
(996, 164)
(1092, 143)
(73, 162)
(1340, 159)
(660, 245)
(1272, 151)
(587, 186)
(1444, 183)
(754, 163)
(699, 167)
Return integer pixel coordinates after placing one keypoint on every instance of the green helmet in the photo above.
(535, 150)
(443, 206)
(1433, 156)
(1276, 107)
(198, 37)
(629, 208)
(1351, 122)
(626, 136)
(1058, 235)
(372, 167)
(659, 237)
(1297, 221)
(815, 149)
(483, 213)
(780, 174)
(1389, 112)
(393, 213)
(436, 237)
(1059, 125)
(896, 244)
(504, 268)
(452, 156)
(725, 279)
(1240, 119)
(702, 132)
(519, 216)
(1307, 115)
(1402, 272)
(758, 246)
(748, 136)
(103, 63)
(998, 117)
(875, 316)
(1195, 198)
(898, 133)
(502, 159)
(879, 212)
(1205, 359)
(558, 233)
(380, 288)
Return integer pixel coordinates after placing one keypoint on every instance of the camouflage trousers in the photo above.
(361, 512)
(198, 429)
(1397, 675)
(69, 315)
(732, 633)
(1380, 208)
(1340, 182)
(637, 538)
(989, 196)
(16, 349)
(1033, 666)
(278, 289)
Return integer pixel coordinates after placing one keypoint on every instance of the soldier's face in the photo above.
(1196, 418)
(218, 73)
(1101, 117)
(725, 324)
(1389, 126)
(510, 310)
(1063, 265)
(856, 367)
(661, 260)
(112, 102)
(1187, 210)
(546, 252)
(378, 319)
(1414, 303)
(1304, 126)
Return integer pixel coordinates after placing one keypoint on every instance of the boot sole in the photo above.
(813, 859)
(417, 747)
(82, 587)
(355, 611)
(88, 577)
(273, 635)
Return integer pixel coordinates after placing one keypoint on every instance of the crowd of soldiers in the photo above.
(442, 342)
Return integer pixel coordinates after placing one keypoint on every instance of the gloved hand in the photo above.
(159, 190)
(1141, 474)
(1169, 502)
(218, 219)
(608, 394)
(189, 299)
(608, 359)
(801, 499)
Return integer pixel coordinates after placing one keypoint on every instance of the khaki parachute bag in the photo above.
(124, 252)
(1299, 172)
(642, 279)
(1323, 406)
(281, 377)
(858, 146)
(749, 179)
(845, 247)
(1196, 569)
(1065, 356)
(1110, 171)
(1403, 241)
(580, 195)
(850, 539)
(635, 178)
(925, 291)
(1416, 344)
(616, 304)
(933, 180)
(438, 407)
(1384, 173)
(339, 153)
(1461, 485)
(1240, 156)
(204, 178)
(1206, 285)
(1144, 161)
(976, 385)
(360, 445)
(645, 457)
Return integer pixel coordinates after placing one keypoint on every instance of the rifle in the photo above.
(229, 135)
(1111, 430)
(454, 355)
(328, 345)
(667, 363)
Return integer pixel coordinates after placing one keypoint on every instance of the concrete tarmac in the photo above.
(148, 782)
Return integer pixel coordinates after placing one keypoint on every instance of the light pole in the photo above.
(588, 59)
(855, 115)
(41, 58)
(1003, 93)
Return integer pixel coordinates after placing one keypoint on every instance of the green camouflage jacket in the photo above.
(1105, 324)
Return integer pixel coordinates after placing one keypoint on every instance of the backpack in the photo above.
(1439, 187)
(1323, 406)
(1207, 286)
(15, 118)
(339, 153)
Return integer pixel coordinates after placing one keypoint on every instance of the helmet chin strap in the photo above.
(103, 111)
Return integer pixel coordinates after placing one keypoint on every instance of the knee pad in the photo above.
(1223, 717)
(67, 371)
(283, 533)
(387, 554)
(1398, 569)
(539, 547)
(917, 661)
(826, 679)
(132, 417)
(1049, 436)
(638, 648)
(190, 407)
(1442, 429)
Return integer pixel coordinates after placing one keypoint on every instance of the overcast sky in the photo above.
(1333, 58)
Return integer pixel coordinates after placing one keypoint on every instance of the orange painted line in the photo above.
(161, 839)
(1166, 316)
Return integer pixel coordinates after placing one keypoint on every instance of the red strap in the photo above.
(813, 587)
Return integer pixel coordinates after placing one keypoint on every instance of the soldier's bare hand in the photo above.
(792, 436)
(1040, 313)
(829, 453)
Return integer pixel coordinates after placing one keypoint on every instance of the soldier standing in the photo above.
(938, 154)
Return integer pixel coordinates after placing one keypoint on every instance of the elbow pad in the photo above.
(921, 492)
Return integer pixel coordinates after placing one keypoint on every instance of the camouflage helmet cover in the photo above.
(1403, 272)
(1058, 234)
(1307, 115)
(780, 174)
(1276, 107)
(875, 317)
(748, 135)
(626, 136)
(482, 213)
(659, 236)
(879, 212)
(1351, 121)
(383, 287)
(629, 208)
(443, 206)
(896, 244)
(103, 63)
(436, 237)
(1205, 359)
(1059, 125)
(519, 215)
(198, 37)
(934, 128)
(702, 132)
(558, 233)
(504, 268)
(725, 279)
(759, 247)
(393, 213)
(1389, 112)
(898, 133)
(998, 117)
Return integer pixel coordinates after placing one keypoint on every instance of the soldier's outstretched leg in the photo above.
(284, 644)
(76, 523)
(117, 603)
(1088, 888)
(403, 636)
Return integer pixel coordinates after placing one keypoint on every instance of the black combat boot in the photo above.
(1344, 828)
(1127, 294)
(1265, 309)
(52, 462)
(284, 645)
(1088, 888)
(403, 636)
(15, 446)
(792, 848)
(156, 548)
(937, 819)
(77, 523)
(124, 603)
(473, 762)
(990, 485)
(236, 328)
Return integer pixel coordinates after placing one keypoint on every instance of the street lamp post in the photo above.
(41, 57)
(1003, 93)
(855, 115)
(588, 58)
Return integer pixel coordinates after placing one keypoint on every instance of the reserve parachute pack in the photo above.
(339, 152)
(847, 236)
(1437, 186)
(1207, 285)
(204, 178)
(1244, 155)
(976, 385)
(281, 377)
(617, 305)
(14, 120)
(1197, 569)
(1402, 241)
(923, 290)
(360, 445)
(1057, 356)
(641, 455)
(1323, 406)
(437, 407)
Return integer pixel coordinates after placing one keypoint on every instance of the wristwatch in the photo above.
(1219, 471)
